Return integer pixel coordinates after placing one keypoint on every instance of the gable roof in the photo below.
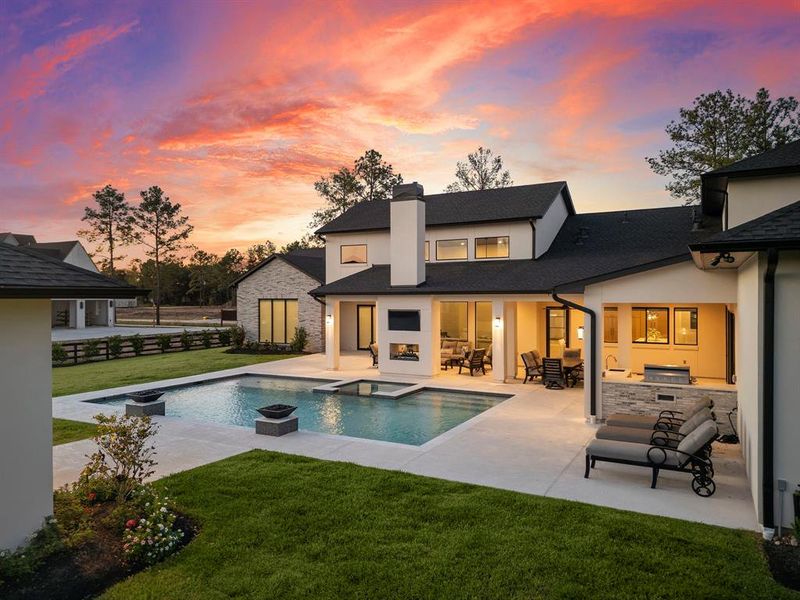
(777, 229)
(310, 261)
(520, 202)
(26, 273)
(21, 238)
(589, 248)
(59, 250)
(783, 160)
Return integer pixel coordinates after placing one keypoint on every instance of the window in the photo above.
(650, 325)
(491, 247)
(483, 324)
(451, 249)
(353, 255)
(427, 250)
(610, 322)
(686, 326)
(277, 320)
(453, 317)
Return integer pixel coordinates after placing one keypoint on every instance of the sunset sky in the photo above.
(235, 108)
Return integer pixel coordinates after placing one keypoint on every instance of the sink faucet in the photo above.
(611, 356)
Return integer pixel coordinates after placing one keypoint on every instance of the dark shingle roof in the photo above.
(22, 238)
(614, 244)
(484, 206)
(26, 273)
(778, 229)
(310, 261)
(786, 157)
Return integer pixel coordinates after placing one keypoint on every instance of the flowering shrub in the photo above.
(124, 457)
(152, 535)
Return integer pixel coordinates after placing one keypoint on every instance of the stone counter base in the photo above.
(641, 399)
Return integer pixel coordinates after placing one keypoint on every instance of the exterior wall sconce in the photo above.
(580, 332)
(497, 322)
(329, 319)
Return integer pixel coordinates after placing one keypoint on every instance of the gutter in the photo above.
(533, 238)
(593, 355)
(768, 392)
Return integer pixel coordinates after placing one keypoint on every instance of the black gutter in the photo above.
(768, 391)
(533, 238)
(593, 354)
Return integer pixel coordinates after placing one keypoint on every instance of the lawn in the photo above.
(65, 431)
(142, 369)
(282, 526)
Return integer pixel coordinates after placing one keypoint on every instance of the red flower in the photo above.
(91, 496)
(131, 523)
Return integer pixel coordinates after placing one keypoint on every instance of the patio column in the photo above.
(498, 340)
(332, 337)
(80, 314)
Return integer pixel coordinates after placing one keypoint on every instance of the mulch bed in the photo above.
(85, 573)
(784, 562)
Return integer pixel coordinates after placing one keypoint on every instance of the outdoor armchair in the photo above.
(690, 456)
(373, 352)
(473, 362)
(553, 374)
(533, 368)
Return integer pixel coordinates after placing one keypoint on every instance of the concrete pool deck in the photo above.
(533, 443)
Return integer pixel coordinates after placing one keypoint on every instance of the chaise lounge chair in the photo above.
(666, 419)
(691, 456)
(655, 437)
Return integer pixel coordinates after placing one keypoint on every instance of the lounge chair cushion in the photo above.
(631, 452)
(644, 436)
(698, 438)
(695, 420)
(649, 421)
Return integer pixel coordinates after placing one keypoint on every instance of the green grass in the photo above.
(65, 431)
(142, 369)
(281, 526)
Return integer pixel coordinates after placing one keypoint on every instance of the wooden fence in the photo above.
(79, 351)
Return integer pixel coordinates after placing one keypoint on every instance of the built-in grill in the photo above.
(667, 374)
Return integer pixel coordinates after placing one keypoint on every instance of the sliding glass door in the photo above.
(557, 331)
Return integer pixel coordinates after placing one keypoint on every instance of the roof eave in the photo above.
(70, 292)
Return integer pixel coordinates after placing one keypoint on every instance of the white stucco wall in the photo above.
(549, 225)
(26, 459)
(787, 360)
(377, 252)
(752, 197)
(80, 258)
(407, 242)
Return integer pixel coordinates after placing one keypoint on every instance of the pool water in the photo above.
(412, 419)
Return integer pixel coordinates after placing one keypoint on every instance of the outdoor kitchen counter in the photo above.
(702, 382)
(633, 396)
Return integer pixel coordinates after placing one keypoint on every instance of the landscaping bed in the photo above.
(783, 557)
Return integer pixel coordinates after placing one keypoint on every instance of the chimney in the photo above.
(407, 244)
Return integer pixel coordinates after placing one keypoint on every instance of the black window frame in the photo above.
(466, 249)
(366, 254)
(669, 324)
(287, 337)
(688, 309)
(493, 237)
(614, 309)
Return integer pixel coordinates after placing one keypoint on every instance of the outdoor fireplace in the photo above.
(404, 352)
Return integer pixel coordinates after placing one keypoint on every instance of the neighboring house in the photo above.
(517, 269)
(28, 281)
(272, 299)
(75, 313)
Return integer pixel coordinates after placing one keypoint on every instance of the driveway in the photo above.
(93, 332)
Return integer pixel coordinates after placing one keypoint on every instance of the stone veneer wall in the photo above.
(280, 280)
(640, 399)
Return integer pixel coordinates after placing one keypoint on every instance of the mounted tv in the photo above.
(403, 320)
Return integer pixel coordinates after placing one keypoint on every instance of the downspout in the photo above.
(768, 391)
(594, 354)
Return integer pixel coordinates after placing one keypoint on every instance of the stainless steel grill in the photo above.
(667, 374)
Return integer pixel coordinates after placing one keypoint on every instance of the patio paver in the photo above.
(532, 443)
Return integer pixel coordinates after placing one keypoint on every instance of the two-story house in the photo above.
(518, 269)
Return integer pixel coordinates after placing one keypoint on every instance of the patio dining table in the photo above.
(570, 365)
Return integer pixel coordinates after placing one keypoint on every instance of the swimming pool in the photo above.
(411, 419)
